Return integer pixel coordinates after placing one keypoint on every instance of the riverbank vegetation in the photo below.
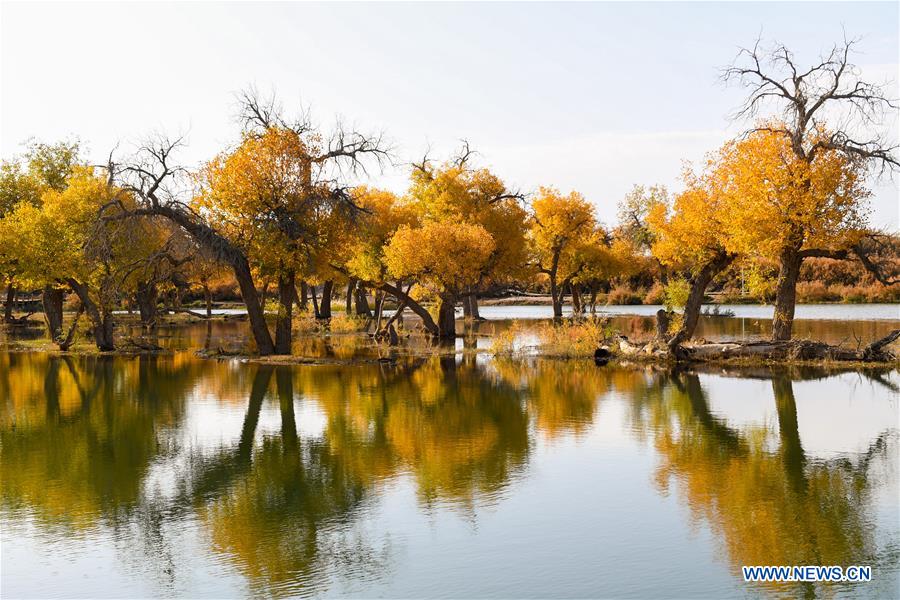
(778, 213)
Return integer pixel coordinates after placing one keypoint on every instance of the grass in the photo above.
(346, 324)
(574, 338)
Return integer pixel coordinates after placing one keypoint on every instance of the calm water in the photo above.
(442, 477)
(848, 324)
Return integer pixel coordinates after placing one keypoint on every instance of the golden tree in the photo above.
(455, 191)
(827, 121)
(779, 206)
(688, 236)
(559, 225)
(447, 258)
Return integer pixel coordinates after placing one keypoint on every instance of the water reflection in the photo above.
(284, 475)
(766, 500)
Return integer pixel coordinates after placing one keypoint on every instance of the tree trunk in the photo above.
(593, 299)
(379, 308)
(662, 325)
(52, 298)
(254, 309)
(786, 294)
(556, 298)
(694, 303)
(284, 320)
(362, 302)
(208, 237)
(348, 304)
(304, 297)
(470, 307)
(446, 323)
(315, 302)
(10, 302)
(325, 303)
(146, 298)
(101, 319)
(420, 311)
(207, 296)
(577, 307)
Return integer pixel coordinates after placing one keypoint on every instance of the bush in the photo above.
(656, 294)
(677, 292)
(623, 295)
(306, 324)
(504, 343)
(573, 338)
(346, 324)
(868, 293)
(816, 291)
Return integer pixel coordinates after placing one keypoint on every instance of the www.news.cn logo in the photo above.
(807, 573)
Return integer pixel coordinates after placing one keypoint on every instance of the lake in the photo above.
(437, 476)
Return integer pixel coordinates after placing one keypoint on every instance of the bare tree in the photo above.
(162, 188)
(830, 93)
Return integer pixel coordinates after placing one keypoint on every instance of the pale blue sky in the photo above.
(595, 97)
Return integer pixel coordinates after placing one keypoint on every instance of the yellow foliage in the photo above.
(443, 256)
(383, 214)
(456, 193)
(773, 200)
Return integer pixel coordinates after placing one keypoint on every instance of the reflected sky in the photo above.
(439, 476)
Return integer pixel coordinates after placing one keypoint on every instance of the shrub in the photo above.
(623, 295)
(676, 294)
(573, 338)
(656, 294)
(504, 342)
(816, 291)
(868, 293)
(304, 323)
(346, 324)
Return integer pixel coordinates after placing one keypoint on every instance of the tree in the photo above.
(633, 211)
(261, 198)
(688, 237)
(309, 176)
(447, 258)
(785, 208)
(593, 262)
(382, 214)
(827, 114)
(16, 186)
(559, 224)
(456, 191)
(24, 179)
(64, 242)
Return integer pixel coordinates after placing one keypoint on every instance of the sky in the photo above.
(595, 97)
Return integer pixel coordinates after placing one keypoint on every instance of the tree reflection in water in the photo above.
(766, 507)
(82, 438)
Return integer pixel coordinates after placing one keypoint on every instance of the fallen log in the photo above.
(789, 350)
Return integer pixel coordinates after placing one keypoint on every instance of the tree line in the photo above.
(284, 205)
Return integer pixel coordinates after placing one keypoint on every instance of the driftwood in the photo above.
(789, 350)
(193, 313)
